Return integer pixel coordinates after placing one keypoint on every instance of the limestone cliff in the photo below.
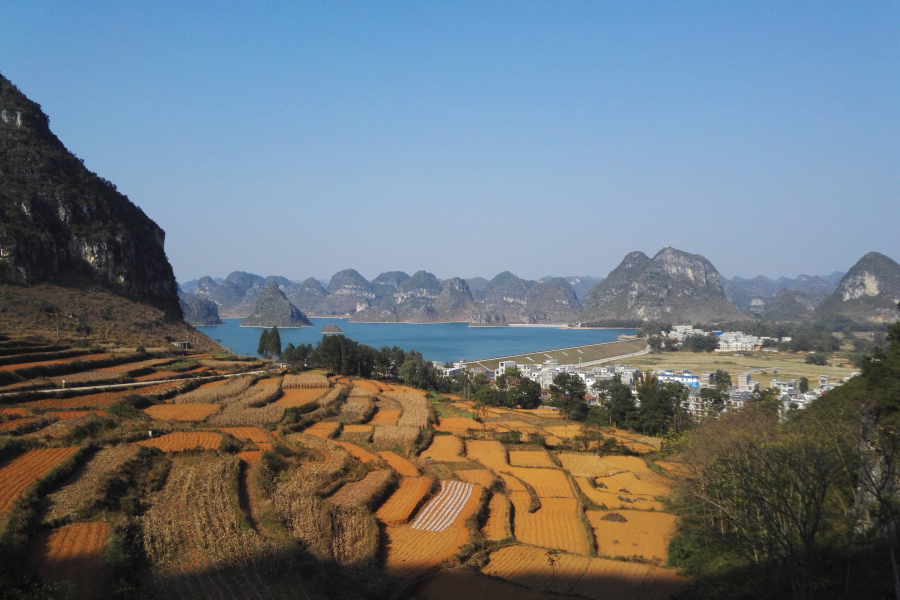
(274, 309)
(199, 311)
(868, 292)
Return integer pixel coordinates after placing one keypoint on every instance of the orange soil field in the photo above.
(628, 463)
(556, 524)
(586, 465)
(405, 500)
(76, 414)
(360, 454)
(612, 498)
(361, 492)
(490, 453)
(628, 483)
(72, 553)
(16, 412)
(60, 361)
(594, 578)
(250, 456)
(385, 418)
(182, 440)
(323, 429)
(182, 412)
(101, 400)
(530, 458)
(16, 424)
(562, 431)
(452, 584)
(674, 468)
(22, 471)
(254, 434)
(547, 483)
(645, 534)
(512, 483)
(369, 386)
(458, 425)
(482, 477)
(399, 464)
(497, 526)
(446, 448)
(411, 552)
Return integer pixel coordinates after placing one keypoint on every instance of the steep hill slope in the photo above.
(869, 292)
(274, 309)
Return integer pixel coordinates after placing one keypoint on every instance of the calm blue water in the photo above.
(438, 341)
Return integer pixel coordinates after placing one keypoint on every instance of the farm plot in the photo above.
(57, 430)
(490, 453)
(458, 425)
(59, 361)
(612, 498)
(443, 509)
(629, 483)
(22, 471)
(405, 500)
(482, 477)
(628, 463)
(556, 524)
(102, 400)
(385, 418)
(547, 483)
(357, 433)
(369, 386)
(416, 411)
(183, 440)
(253, 434)
(212, 394)
(631, 533)
(586, 465)
(530, 458)
(252, 407)
(360, 454)
(399, 464)
(444, 448)
(395, 438)
(357, 409)
(570, 431)
(72, 553)
(194, 539)
(305, 381)
(363, 492)
(14, 412)
(181, 412)
(411, 552)
(323, 429)
(292, 398)
(16, 425)
(674, 468)
(498, 523)
(594, 578)
(76, 414)
(84, 485)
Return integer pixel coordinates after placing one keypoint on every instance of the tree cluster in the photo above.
(513, 390)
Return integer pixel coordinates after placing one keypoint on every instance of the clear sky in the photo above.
(468, 138)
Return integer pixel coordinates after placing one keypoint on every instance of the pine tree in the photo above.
(263, 348)
(273, 342)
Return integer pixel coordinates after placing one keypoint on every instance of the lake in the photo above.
(446, 342)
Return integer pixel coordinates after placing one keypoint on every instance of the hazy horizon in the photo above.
(538, 138)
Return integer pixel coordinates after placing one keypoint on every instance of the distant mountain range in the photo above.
(672, 286)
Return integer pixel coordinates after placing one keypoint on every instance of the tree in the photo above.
(816, 358)
(804, 385)
(702, 343)
(619, 402)
(263, 346)
(723, 379)
(273, 343)
(568, 392)
(520, 391)
(660, 405)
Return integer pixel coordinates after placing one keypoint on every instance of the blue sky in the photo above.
(470, 138)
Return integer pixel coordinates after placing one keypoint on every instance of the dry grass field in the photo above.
(556, 524)
(631, 533)
(547, 483)
(458, 425)
(612, 498)
(481, 477)
(586, 465)
(498, 525)
(361, 493)
(530, 458)
(490, 453)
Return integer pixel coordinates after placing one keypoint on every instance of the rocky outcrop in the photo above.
(455, 302)
(307, 296)
(273, 309)
(551, 301)
(506, 293)
(476, 285)
(387, 283)
(869, 292)
(57, 218)
(753, 295)
(487, 318)
(346, 291)
(581, 284)
(673, 286)
(199, 311)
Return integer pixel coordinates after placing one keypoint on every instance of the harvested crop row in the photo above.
(416, 411)
(253, 407)
(183, 440)
(357, 409)
(530, 458)
(395, 438)
(443, 509)
(547, 483)
(594, 578)
(59, 361)
(334, 460)
(16, 425)
(105, 399)
(632, 533)
(323, 429)
(497, 526)
(72, 553)
(385, 418)
(305, 381)
(218, 393)
(405, 500)
(411, 552)
(557, 524)
(445, 448)
(363, 492)
(399, 464)
(360, 454)
(254, 434)
(369, 386)
(84, 485)
(22, 471)
(490, 453)
(182, 412)
(292, 397)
